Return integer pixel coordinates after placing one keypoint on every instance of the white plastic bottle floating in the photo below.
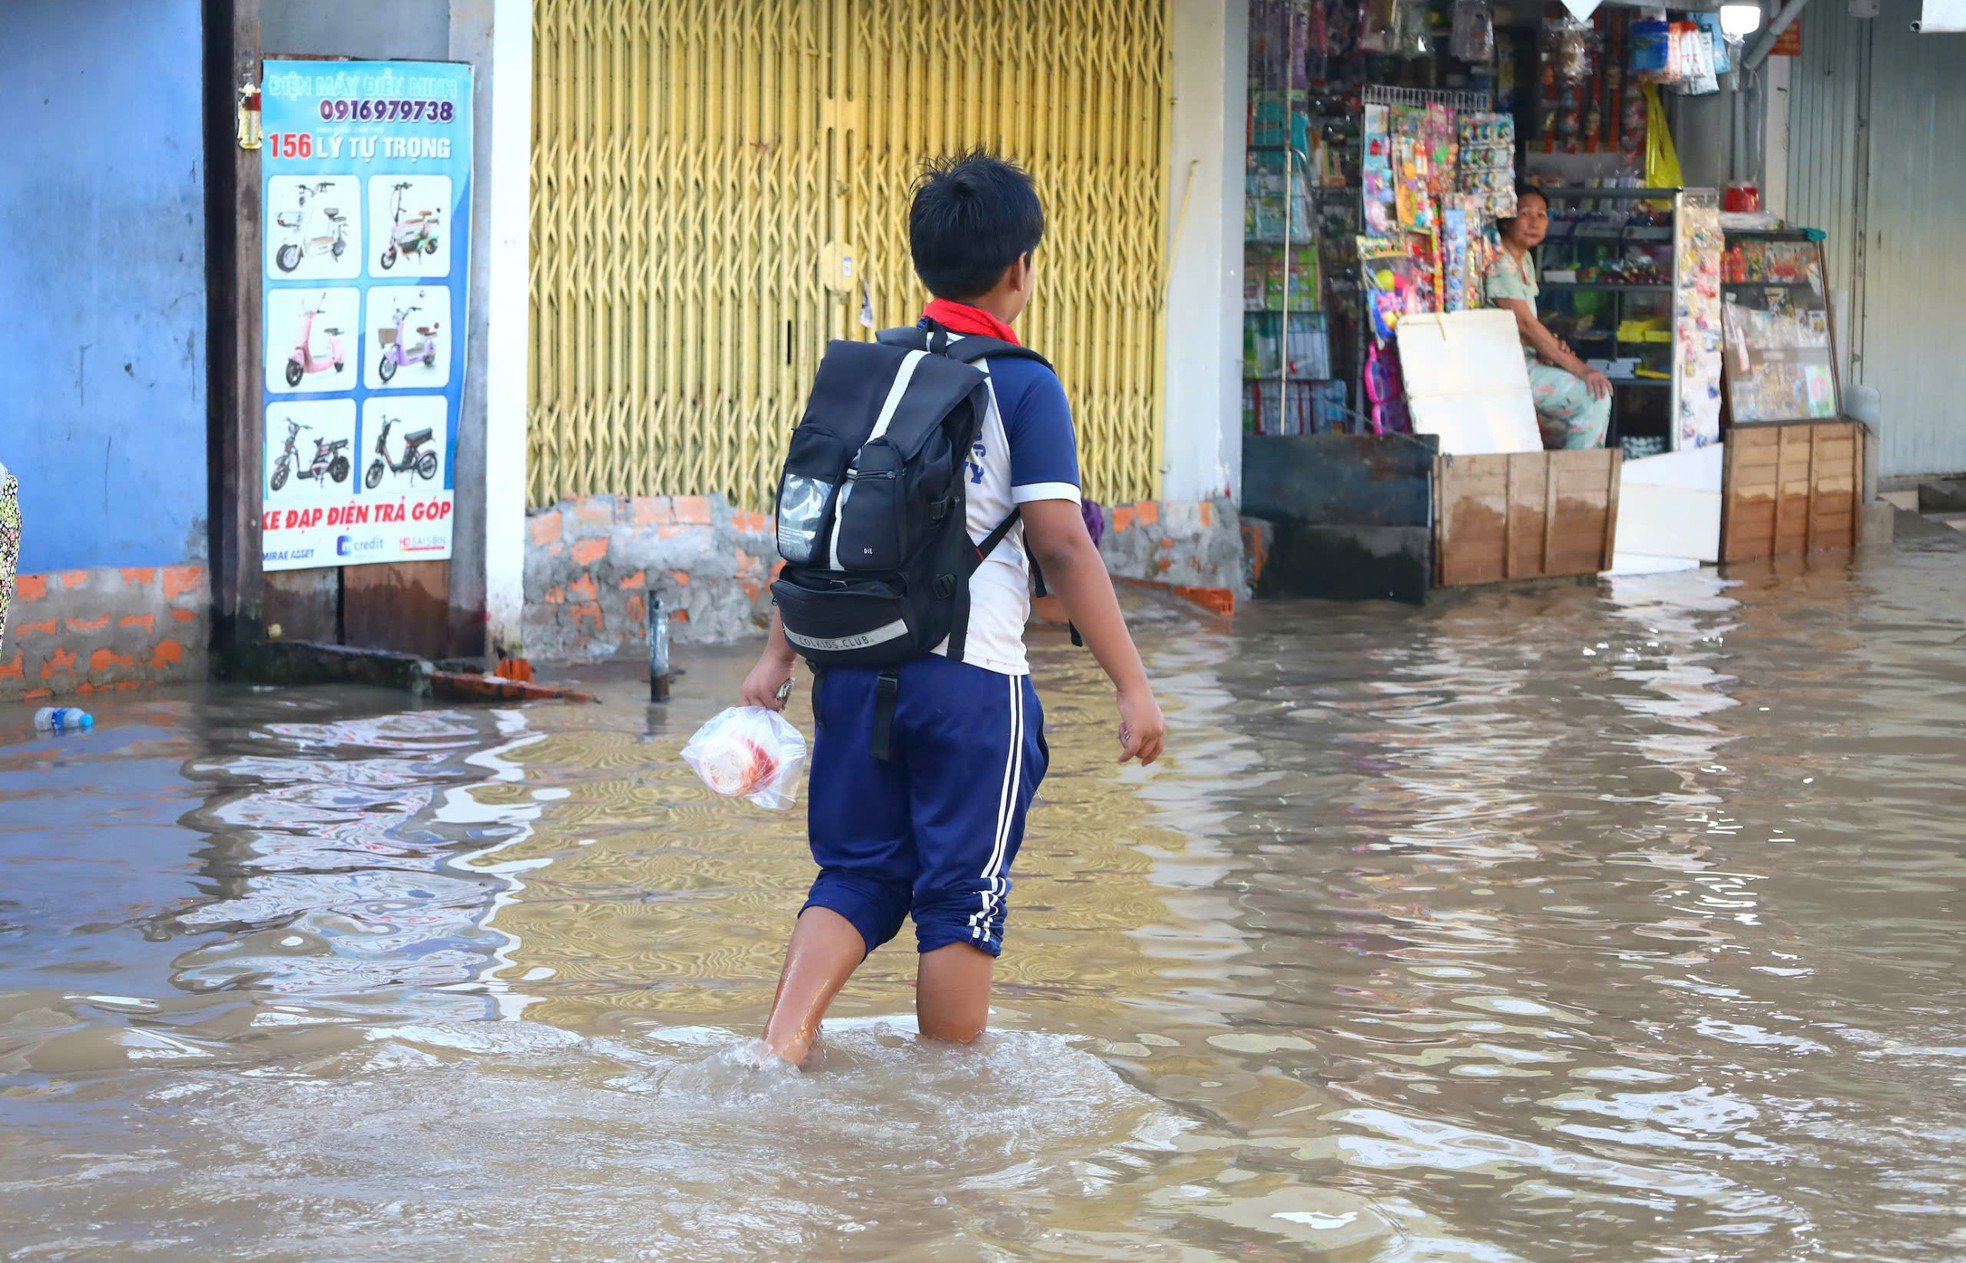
(63, 719)
(749, 752)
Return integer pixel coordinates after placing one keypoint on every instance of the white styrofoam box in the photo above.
(1466, 382)
(1669, 508)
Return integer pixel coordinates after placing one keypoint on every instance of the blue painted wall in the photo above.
(102, 280)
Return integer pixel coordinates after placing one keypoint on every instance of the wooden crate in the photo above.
(1792, 488)
(1524, 516)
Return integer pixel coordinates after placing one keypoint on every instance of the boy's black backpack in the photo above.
(871, 509)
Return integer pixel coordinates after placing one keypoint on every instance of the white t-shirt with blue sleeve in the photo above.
(1026, 451)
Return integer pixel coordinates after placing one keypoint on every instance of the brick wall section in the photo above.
(592, 563)
(1187, 545)
(78, 632)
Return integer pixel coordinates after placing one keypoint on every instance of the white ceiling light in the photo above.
(1740, 20)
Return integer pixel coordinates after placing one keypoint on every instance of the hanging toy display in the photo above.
(1387, 273)
(1473, 38)
(1567, 48)
(1376, 173)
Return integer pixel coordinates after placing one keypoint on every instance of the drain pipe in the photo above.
(1766, 43)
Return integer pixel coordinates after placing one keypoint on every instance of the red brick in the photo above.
(670, 532)
(588, 551)
(37, 695)
(85, 688)
(777, 566)
(546, 528)
(748, 564)
(126, 686)
(752, 589)
(679, 616)
(45, 627)
(179, 580)
(679, 577)
(635, 582)
(694, 510)
(1219, 600)
(1123, 517)
(139, 576)
(1207, 513)
(652, 511)
(148, 622)
(185, 616)
(74, 578)
(30, 587)
(592, 512)
(583, 589)
(751, 523)
(60, 662)
(590, 612)
(1149, 511)
(555, 595)
(168, 654)
(103, 661)
(87, 626)
(1164, 565)
(1167, 545)
(14, 668)
(638, 611)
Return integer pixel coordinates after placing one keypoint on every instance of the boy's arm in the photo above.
(773, 670)
(1055, 533)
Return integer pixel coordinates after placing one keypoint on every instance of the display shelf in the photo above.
(1272, 377)
(1609, 232)
(1645, 405)
(1797, 236)
(1625, 195)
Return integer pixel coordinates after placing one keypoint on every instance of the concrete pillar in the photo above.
(496, 36)
(508, 339)
(1202, 448)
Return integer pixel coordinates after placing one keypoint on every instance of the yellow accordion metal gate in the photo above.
(720, 186)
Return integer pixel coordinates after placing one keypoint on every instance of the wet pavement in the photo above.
(1614, 921)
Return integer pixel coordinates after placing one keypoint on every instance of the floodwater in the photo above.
(1575, 922)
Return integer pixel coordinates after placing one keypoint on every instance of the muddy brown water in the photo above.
(1608, 922)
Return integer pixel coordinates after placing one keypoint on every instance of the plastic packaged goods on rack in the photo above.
(1696, 306)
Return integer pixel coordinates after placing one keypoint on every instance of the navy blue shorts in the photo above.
(932, 832)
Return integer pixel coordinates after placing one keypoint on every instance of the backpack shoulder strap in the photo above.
(964, 349)
(975, 346)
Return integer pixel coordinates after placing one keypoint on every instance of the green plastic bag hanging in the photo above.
(1661, 156)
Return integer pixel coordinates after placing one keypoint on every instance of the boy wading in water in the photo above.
(927, 755)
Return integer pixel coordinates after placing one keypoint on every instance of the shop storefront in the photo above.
(1394, 429)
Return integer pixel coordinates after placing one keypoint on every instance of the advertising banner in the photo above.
(366, 190)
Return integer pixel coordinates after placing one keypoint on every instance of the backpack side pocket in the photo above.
(807, 494)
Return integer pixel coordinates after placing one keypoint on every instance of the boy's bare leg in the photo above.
(952, 992)
(824, 952)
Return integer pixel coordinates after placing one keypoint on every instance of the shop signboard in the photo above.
(366, 195)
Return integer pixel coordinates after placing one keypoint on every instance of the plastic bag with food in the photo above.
(749, 752)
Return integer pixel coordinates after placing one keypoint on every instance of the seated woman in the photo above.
(1573, 400)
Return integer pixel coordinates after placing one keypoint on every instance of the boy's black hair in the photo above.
(973, 216)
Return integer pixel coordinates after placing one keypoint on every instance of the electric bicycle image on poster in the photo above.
(410, 216)
(366, 195)
(312, 342)
(317, 227)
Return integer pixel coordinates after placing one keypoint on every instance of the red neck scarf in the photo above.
(963, 318)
